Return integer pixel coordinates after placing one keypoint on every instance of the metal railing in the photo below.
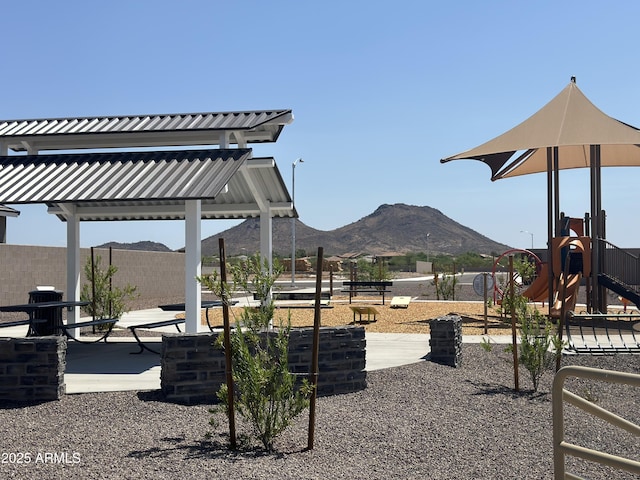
(621, 265)
(561, 448)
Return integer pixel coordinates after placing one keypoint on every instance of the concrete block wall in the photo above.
(32, 369)
(193, 368)
(159, 276)
(446, 340)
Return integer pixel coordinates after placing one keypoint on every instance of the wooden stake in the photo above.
(314, 353)
(484, 288)
(227, 345)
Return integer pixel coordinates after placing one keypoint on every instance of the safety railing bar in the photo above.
(562, 448)
(571, 476)
(623, 262)
(600, 412)
(602, 458)
(609, 376)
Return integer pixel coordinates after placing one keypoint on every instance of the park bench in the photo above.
(66, 328)
(18, 323)
(293, 296)
(148, 326)
(109, 322)
(374, 287)
(206, 304)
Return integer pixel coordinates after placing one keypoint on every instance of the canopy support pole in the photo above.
(193, 264)
(598, 297)
(550, 223)
(73, 267)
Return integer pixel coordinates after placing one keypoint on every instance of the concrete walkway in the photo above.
(111, 366)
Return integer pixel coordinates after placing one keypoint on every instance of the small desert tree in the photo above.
(106, 300)
(445, 286)
(539, 345)
(266, 392)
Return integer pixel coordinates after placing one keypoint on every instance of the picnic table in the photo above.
(176, 322)
(207, 304)
(45, 318)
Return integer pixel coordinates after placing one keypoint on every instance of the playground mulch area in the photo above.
(413, 319)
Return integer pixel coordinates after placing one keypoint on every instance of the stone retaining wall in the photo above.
(32, 369)
(193, 368)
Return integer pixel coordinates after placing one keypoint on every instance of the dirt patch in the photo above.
(413, 319)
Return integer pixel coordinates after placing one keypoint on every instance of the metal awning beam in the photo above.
(168, 212)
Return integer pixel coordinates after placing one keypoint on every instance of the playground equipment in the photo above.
(558, 282)
(532, 257)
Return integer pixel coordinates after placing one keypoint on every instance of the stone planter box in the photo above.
(193, 368)
(446, 340)
(32, 369)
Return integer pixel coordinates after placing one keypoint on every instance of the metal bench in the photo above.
(30, 322)
(377, 287)
(147, 326)
(110, 322)
(206, 305)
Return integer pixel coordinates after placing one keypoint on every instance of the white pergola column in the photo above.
(73, 266)
(193, 265)
(266, 238)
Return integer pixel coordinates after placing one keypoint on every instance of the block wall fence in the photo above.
(159, 276)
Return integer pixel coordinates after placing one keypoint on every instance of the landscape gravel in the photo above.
(426, 421)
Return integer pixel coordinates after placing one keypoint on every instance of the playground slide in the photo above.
(572, 283)
(538, 291)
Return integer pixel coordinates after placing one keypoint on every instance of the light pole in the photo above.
(524, 231)
(428, 235)
(293, 221)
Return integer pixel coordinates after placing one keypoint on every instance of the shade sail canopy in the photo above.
(570, 122)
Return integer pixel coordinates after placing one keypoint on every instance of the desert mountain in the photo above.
(391, 228)
(146, 246)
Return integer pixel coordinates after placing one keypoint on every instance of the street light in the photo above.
(524, 231)
(293, 221)
(428, 235)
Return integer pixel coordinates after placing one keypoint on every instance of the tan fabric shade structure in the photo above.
(571, 123)
(568, 132)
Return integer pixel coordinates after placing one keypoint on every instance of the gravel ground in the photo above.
(426, 421)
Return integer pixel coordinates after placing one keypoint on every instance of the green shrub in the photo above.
(536, 340)
(445, 286)
(266, 392)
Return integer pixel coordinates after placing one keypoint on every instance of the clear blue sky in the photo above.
(380, 92)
